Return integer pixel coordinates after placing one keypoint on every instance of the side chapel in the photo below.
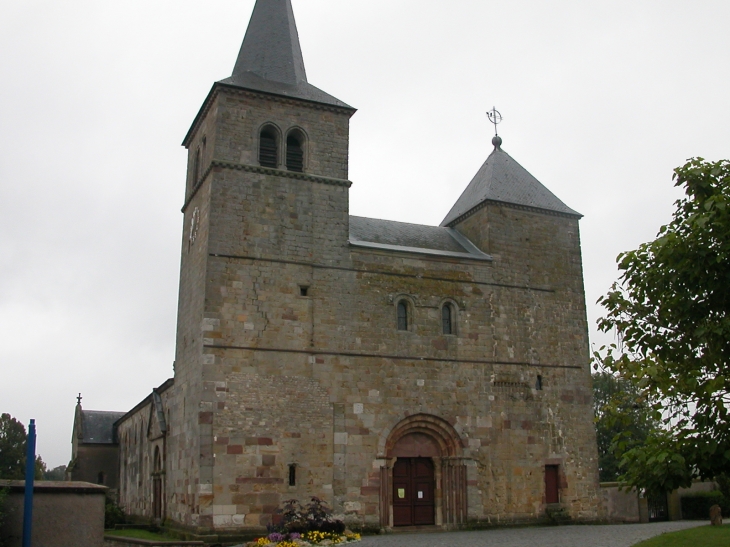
(408, 375)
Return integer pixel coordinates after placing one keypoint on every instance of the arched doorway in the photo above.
(413, 492)
(424, 478)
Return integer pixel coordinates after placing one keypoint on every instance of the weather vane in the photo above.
(495, 117)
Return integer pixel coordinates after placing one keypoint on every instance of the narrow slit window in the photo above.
(196, 167)
(402, 316)
(538, 383)
(294, 154)
(268, 149)
(446, 319)
(292, 474)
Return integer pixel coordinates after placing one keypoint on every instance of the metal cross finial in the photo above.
(78, 399)
(495, 117)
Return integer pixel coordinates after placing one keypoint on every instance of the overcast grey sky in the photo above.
(601, 100)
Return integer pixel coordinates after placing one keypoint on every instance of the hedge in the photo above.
(697, 506)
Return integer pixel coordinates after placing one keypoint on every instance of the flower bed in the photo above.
(307, 538)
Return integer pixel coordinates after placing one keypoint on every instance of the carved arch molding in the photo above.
(427, 436)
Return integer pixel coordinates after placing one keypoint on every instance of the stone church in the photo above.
(409, 375)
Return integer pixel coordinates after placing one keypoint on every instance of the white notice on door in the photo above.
(420, 495)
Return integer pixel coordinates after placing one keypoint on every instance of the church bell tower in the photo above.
(267, 190)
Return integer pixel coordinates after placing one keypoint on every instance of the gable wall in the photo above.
(92, 459)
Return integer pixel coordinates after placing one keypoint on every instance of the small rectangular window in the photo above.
(303, 291)
(292, 474)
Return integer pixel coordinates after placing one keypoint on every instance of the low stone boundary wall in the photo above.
(622, 505)
(65, 514)
(114, 541)
(627, 506)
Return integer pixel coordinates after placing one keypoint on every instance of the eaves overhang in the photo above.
(419, 250)
(218, 86)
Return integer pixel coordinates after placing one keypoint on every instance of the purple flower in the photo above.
(295, 535)
(276, 537)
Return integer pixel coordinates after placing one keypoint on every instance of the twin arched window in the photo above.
(269, 149)
(447, 317)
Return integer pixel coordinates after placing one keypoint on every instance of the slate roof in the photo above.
(501, 178)
(414, 238)
(97, 426)
(270, 59)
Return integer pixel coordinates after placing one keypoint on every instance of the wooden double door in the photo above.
(413, 492)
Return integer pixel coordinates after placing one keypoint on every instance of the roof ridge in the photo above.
(399, 221)
(394, 235)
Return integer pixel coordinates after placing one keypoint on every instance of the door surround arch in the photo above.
(426, 435)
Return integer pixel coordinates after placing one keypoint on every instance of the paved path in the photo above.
(616, 535)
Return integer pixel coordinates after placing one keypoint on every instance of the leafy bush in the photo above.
(316, 516)
(697, 506)
(113, 514)
(319, 518)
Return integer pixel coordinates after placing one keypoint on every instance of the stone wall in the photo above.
(110, 541)
(621, 506)
(65, 514)
(234, 209)
(144, 436)
(97, 464)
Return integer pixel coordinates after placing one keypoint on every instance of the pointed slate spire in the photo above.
(501, 178)
(271, 47)
(271, 59)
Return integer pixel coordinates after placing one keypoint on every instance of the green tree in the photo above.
(670, 311)
(12, 450)
(622, 417)
(56, 474)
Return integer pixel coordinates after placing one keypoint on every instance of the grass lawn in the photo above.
(704, 536)
(139, 534)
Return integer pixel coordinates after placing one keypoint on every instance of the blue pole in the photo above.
(29, 477)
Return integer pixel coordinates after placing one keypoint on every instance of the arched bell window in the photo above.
(402, 313)
(269, 147)
(295, 151)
